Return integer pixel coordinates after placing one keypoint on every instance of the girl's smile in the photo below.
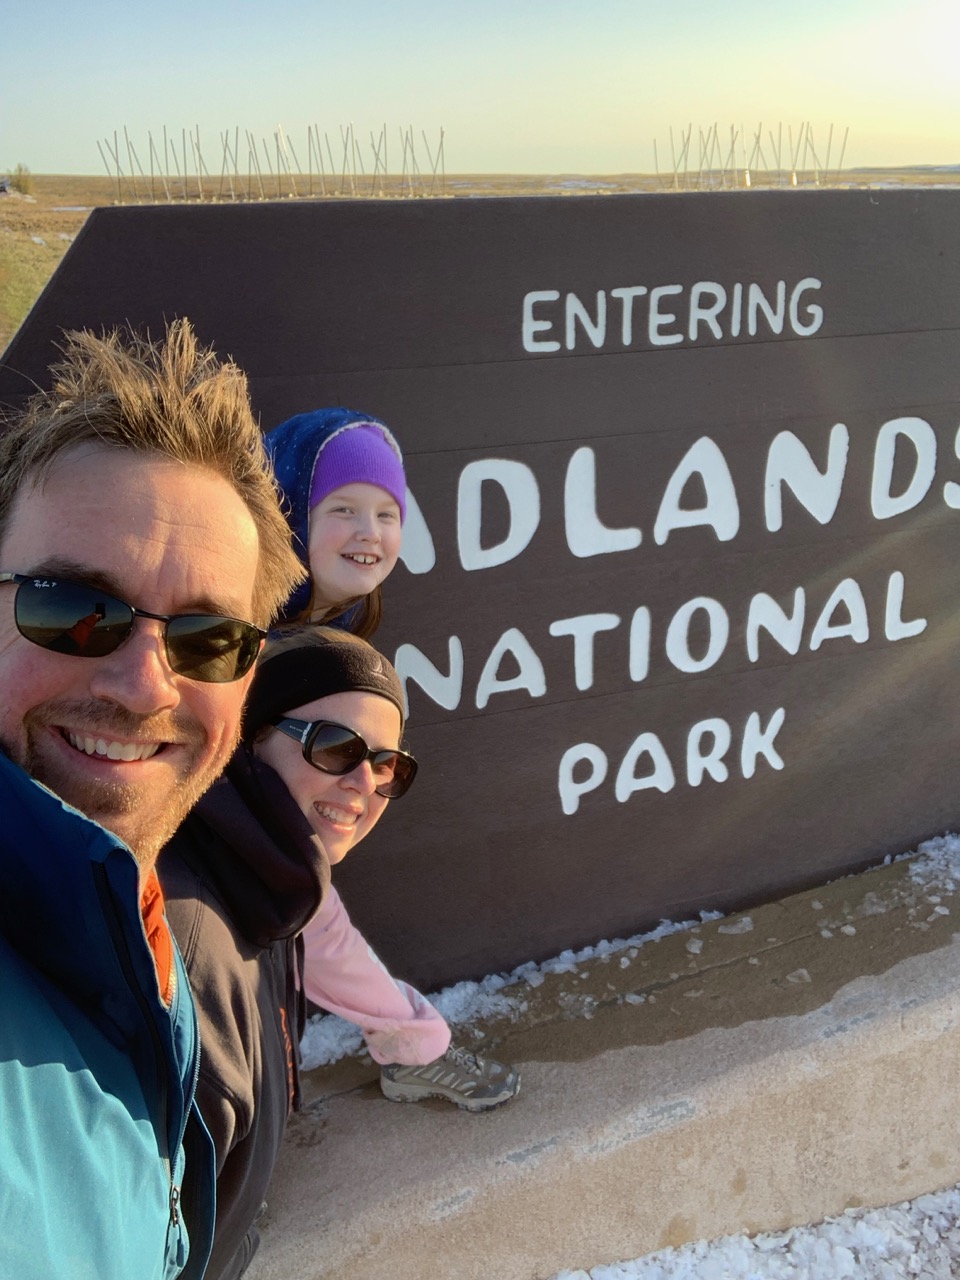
(354, 542)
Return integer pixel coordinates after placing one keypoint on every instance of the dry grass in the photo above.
(35, 233)
(36, 230)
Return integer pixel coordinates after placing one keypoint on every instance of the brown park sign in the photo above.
(680, 609)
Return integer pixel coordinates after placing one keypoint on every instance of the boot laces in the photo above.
(465, 1060)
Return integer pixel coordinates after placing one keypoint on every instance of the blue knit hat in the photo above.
(359, 454)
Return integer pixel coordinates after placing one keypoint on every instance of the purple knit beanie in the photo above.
(359, 455)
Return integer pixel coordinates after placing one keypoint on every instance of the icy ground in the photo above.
(328, 1038)
(935, 865)
(918, 1240)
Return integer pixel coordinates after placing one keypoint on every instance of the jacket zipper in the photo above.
(115, 927)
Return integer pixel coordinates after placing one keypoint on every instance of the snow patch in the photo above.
(327, 1038)
(934, 869)
(914, 1239)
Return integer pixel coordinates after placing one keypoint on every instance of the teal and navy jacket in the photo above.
(106, 1171)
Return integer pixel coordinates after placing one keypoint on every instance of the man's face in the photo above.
(164, 537)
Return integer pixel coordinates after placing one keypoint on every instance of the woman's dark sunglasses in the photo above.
(71, 617)
(333, 748)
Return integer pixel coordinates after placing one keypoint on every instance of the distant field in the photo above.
(36, 230)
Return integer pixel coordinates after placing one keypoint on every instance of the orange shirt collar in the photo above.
(158, 934)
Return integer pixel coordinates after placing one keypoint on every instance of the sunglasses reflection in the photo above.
(84, 622)
(79, 634)
(336, 749)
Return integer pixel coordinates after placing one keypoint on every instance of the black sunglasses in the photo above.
(71, 617)
(333, 748)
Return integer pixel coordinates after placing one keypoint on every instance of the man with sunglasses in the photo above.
(319, 762)
(142, 552)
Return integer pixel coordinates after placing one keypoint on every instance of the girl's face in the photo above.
(340, 809)
(354, 542)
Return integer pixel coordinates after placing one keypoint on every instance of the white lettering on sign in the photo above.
(789, 463)
(883, 503)
(499, 505)
(720, 510)
(586, 535)
(514, 666)
(844, 617)
(583, 629)
(519, 486)
(664, 315)
(529, 674)
(816, 485)
(646, 764)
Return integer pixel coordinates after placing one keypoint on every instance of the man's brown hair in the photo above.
(173, 398)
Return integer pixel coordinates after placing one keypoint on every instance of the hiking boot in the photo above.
(474, 1084)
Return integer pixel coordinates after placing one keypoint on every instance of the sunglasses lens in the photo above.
(212, 649)
(336, 750)
(69, 617)
(394, 772)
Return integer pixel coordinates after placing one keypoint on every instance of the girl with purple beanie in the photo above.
(341, 473)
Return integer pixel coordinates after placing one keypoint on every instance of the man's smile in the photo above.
(110, 749)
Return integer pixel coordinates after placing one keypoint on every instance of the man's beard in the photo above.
(144, 816)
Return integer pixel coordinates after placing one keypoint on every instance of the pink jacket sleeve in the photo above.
(343, 975)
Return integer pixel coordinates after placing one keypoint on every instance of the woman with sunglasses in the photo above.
(246, 884)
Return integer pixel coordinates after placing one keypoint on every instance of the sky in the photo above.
(518, 86)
